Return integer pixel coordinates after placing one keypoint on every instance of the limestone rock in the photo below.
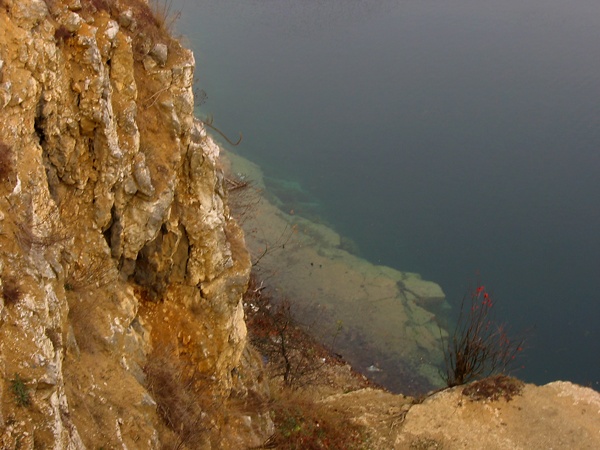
(160, 52)
(559, 415)
(426, 293)
(112, 203)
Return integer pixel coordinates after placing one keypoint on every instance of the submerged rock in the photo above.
(426, 293)
(330, 287)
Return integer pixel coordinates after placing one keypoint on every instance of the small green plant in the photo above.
(479, 347)
(19, 390)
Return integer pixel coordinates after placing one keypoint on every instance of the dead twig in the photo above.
(209, 123)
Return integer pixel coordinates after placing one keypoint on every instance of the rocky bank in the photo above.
(122, 270)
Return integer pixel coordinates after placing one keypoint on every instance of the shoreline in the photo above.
(381, 318)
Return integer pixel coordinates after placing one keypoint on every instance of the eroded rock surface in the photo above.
(115, 235)
(559, 415)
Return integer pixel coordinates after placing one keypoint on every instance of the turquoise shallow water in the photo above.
(458, 139)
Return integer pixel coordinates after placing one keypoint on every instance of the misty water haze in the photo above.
(450, 138)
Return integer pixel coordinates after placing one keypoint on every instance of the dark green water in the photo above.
(455, 138)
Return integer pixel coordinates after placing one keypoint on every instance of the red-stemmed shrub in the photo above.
(479, 346)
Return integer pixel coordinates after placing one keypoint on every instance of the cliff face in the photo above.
(118, 257)
(122, 272)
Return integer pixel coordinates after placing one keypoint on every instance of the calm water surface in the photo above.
(450, 138)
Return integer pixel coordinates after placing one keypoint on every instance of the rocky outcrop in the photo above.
(116, 244)
(559, 415)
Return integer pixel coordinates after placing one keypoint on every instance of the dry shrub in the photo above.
(182, 397)
(209, 123)
(243, 198)
(479, 346)
(40, 231)
(98, 273)
(303, 424)
(291, 353)
(81, 313)
(6, 163)
(55, 336)
(492, 388)
(61, 34)
(11, 291)
(53, 6)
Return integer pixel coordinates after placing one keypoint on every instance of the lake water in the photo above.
(455, 138)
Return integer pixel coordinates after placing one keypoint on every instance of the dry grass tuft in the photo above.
(182, 398)
(41, 230)
(99, 273)
(164, 16)
(493, 388)
(302, 423)
(154, 21)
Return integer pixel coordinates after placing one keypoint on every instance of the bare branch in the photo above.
(479, 347)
